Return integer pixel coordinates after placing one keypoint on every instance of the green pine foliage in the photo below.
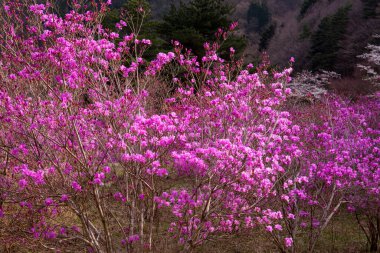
(258, 16)
(305, 32)
(148, 28)
(326, 41)
(266, 37)
(370, 8)
(203, 15)
(196, 22)
(306, 5)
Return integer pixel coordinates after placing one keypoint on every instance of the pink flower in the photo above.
(64, 198)
(114, 35)
(22, 183)
(49, 201)
(233, 26)
(278, 227)
(291, 216)
(75, 228)
(123, 23)
(288, 242)
(62, 231)
(146, 42)
(107, 169)
(51, 234)
(76, 186)
(37, 8)
(133, 238)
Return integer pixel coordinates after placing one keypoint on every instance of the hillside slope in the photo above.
(285, 28)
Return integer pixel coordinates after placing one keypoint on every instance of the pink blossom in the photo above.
(49, 201)
(76, 186)
(64, 198)
(288, 242)
(133, 238)
(22, 183)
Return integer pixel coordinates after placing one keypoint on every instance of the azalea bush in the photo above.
(98, 151)
(338, 170)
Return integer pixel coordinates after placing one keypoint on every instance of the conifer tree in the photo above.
(267, 36)
(326, 40)
(196, 22)
(137, 13)
(306, 5)
(369, 8)
(258, 16)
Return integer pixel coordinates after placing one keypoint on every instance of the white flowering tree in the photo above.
(372, 62)
(311, 85)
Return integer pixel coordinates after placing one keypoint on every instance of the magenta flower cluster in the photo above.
(86, 161)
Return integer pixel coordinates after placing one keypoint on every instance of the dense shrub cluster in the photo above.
(87, 162)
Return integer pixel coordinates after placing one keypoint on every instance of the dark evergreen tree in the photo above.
(139, 22)
(306, 5)
(326, 41)
(305, 33)
(196, 22)
(258, 16)
(370, 8)
(267, 36)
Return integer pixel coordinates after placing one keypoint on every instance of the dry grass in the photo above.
(352, 87)
(342, 235)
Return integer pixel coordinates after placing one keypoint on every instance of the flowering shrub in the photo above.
(339, 167)
(311, 85)
(87, 163)
(372, 62)
(236, 147)
(76, 140)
